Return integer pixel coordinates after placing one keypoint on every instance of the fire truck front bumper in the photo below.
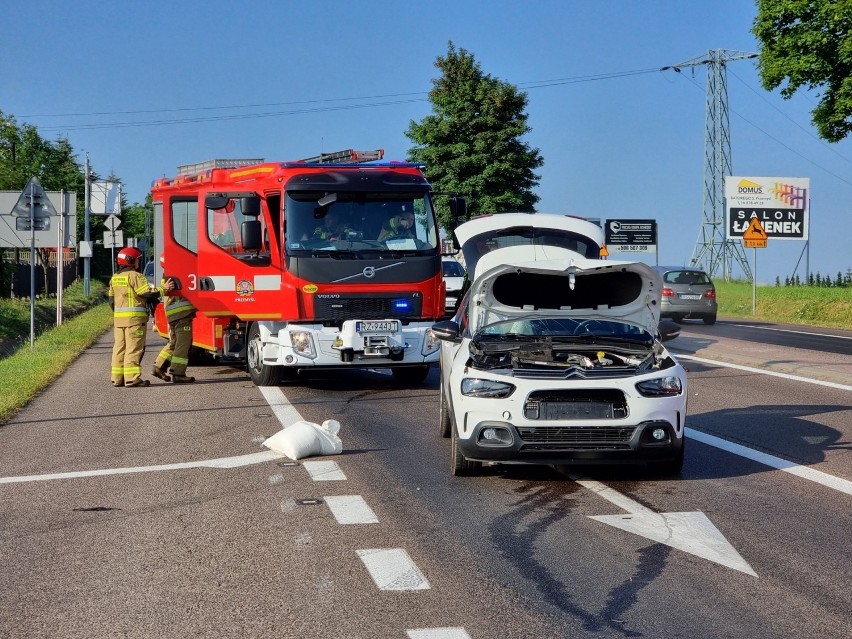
(358, 342)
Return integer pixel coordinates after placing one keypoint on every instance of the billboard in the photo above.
(630, 236)
(779, 204)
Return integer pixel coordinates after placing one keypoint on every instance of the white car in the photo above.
(555, 358)
(454, 280)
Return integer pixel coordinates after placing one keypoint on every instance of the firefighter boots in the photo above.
(182, 379)
(161, 374)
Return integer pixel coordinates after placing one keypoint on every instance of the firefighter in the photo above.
(179, 314)
(398, 226)
(128, 293)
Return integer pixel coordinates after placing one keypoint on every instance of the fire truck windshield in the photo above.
(360, 222)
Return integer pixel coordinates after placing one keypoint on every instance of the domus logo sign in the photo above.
(746, 186)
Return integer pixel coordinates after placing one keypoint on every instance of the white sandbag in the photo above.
(304, 439)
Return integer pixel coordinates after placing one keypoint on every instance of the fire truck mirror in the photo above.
(250, 206)
(251, 236)
(458, 209)
(216, 201)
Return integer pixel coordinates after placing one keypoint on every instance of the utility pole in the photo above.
(712, 251)
(87, 260)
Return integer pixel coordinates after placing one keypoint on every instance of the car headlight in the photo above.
(472, 387)
(667, 386)
(303, 344)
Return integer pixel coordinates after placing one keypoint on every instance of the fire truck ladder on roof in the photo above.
(345, 156)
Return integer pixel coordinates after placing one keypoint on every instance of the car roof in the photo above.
(697, 269)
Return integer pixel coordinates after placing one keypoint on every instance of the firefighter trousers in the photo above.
(177, 350)
(127, 354)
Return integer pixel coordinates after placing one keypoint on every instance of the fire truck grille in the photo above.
(367, 306)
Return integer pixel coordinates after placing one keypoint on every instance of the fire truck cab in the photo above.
(305, 265)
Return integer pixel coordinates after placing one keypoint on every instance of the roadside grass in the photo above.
(28, 370)
(805, 305)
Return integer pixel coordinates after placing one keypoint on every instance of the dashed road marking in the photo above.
(393, 569)
(438, 633)
(351, 509)
(324, 470)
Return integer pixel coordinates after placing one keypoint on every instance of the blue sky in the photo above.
(145, 87)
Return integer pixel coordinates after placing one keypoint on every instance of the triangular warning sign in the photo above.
(754, 231)
(43, 207)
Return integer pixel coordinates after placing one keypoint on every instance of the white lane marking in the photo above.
(324, 470)
(763, 371)
(393, 569)
(223, 462)
(819, 477)
(690, 532)
(787, 330)
(351, 509)
(438, 633)
(281, 407)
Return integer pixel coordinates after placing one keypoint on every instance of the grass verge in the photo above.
(30, 369)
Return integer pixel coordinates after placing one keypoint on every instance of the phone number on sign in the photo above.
(630, 248)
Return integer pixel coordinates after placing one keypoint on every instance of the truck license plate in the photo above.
(377, 327)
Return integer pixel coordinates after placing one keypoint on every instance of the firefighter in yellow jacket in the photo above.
(179, 314)
(128, 293)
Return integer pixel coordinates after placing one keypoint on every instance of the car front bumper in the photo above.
(572, 444)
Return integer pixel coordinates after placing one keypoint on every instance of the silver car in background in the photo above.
(688, 293)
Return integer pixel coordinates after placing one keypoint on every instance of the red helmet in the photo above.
(128, 256)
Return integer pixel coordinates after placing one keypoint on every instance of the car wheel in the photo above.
(445, 427)
(709, 319)
(460, 465)
(410, 375)
(673, 466)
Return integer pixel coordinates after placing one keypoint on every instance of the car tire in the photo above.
(461, 466)
(673, 466)
(709, 319)
(446, 426)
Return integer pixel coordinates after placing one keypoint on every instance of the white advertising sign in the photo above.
(780, 204)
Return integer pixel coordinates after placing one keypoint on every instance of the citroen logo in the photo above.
(369, 271)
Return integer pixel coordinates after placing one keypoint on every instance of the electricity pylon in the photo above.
(712, 251)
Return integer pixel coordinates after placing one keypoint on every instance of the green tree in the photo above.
(471, 144)
(808, 43)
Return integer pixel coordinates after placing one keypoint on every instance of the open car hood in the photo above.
(508, 284)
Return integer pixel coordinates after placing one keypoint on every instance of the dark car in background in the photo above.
(688, 293)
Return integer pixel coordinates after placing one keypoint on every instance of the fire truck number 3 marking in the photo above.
(193, 281)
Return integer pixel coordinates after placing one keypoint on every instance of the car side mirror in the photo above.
(446, 330)
(668, 330)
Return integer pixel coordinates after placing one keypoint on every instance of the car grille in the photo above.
(609, 438)
(368, 306)
(576, 404)
(575, 372)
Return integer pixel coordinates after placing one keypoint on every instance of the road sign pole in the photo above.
(754, 283)
(32, 264)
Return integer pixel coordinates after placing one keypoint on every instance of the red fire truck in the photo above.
(304, 265)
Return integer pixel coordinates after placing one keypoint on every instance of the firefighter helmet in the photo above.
(128, 256)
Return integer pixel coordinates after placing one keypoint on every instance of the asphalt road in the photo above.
(157, 512)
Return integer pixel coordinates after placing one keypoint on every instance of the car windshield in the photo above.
(453, 269)
(563, 327)
(360, 222)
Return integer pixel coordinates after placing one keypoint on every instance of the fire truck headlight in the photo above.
(303, 344)
(430, 343)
